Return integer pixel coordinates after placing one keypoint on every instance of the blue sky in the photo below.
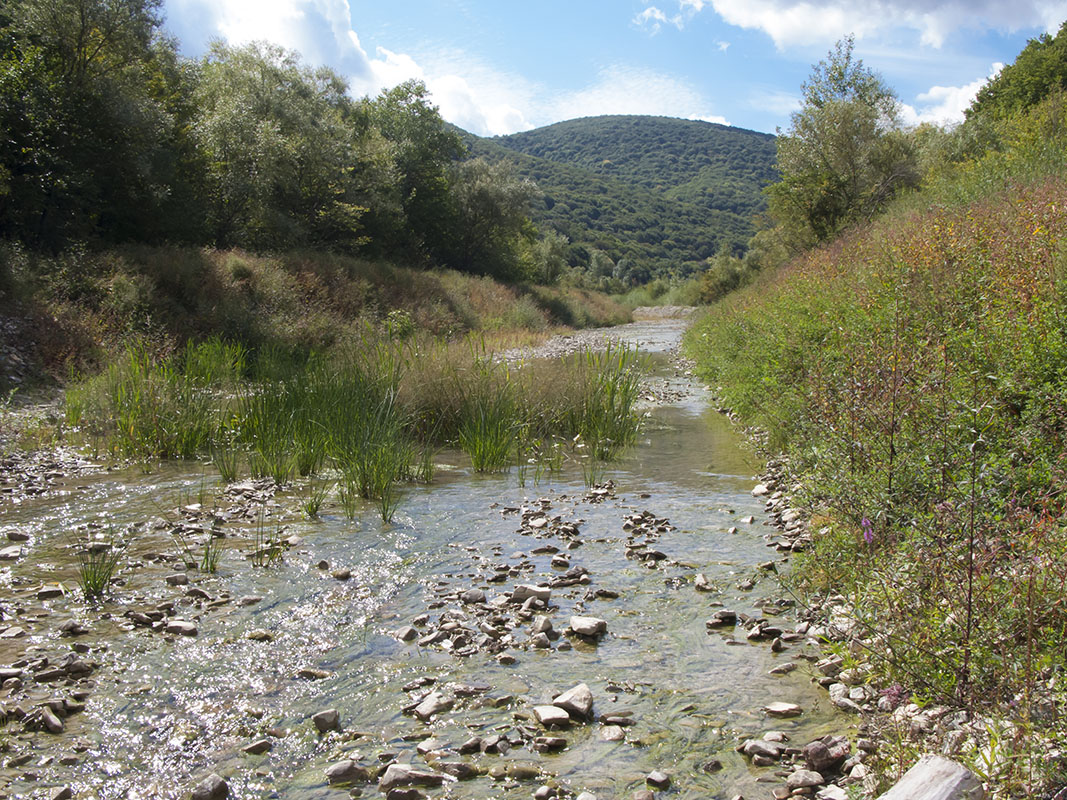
(498, 66)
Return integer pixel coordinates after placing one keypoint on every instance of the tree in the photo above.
(845, 153)
(550, 256)
(85, 151)
(491, 206)
(424, 150)
(286, 162)
(1039, 69)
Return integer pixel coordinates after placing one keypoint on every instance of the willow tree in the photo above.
(845, 152)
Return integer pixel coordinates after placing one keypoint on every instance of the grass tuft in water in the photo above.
(314, 496)
(98, 560)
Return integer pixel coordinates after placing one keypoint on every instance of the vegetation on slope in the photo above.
(914, 370)
(84, 306)
(641, 197)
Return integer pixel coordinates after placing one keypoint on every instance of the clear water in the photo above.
(165, 712)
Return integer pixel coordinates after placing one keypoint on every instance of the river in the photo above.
(161, 711)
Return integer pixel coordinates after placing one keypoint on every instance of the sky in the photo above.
(495, 67)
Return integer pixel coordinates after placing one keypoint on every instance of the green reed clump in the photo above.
(315, 494)
(267, 549)
(156, 408)
(490, 420)
(98, 560)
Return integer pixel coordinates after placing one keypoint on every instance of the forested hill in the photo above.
(658, 194)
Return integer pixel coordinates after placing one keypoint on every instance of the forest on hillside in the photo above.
(113, 137)
(641, 197)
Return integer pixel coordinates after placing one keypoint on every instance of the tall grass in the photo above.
(373, 412)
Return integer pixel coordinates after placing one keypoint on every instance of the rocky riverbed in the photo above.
(554, 639)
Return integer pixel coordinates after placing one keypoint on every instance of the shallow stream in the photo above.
(164, 710)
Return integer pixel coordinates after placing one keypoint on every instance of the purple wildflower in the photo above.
(868, 531)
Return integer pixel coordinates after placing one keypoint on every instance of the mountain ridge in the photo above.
(661, 194)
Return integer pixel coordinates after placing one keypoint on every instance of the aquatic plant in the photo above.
(98, 559)
(267, 548)
(314, 496)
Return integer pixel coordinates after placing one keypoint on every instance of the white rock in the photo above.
(588, 626)
(783, 710)
(552, 716)
(577, 702)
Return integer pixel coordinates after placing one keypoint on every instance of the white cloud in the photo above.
(622, 89)
(945, 105)
(655, 18)
(808, 22)
(652, 18)
(778, 102)
(723, 46)
(469, 93)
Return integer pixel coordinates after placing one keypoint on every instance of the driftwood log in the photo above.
(936, 778)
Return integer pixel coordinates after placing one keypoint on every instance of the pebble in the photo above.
(257, 747)
(804, 778)
(612, 733)
(182, 627)
(783, 710)
(658, 780)
(552, 716)
(346, 771)
(213, 787)
(578, 702)
(327, 720)
(404, 775)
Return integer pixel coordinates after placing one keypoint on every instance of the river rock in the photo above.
(257, 747)
(759, 747)
(181, 627)
(327, 720)
(578, 702)
(702, 584)
(10, 553)
(552, 716)
(804, 778)
(346, 771)
(460, 770)
(213, 787)
(613, 733)
(545, 744)
(62, 793)
(433, 703)
(590, 627)
(783, 710)
(406, 634)
(473, 596)
(658, 780)
(406, 775)
(839, 696)
(542, 624)
(831, 792)
(524, 592)
(723, 618)
(50, 721)
(827, 754)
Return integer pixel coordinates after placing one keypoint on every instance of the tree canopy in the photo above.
(844, 154)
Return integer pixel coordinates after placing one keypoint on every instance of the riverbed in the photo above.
(373, 620)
